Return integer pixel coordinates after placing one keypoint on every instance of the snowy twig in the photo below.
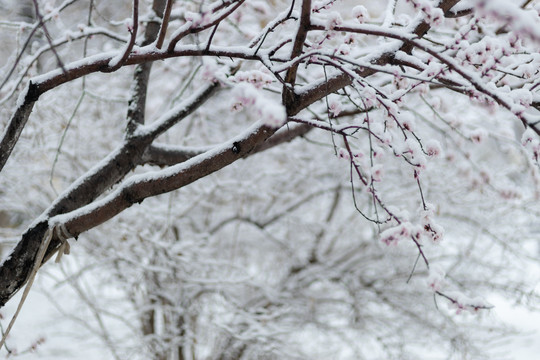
(117, 62)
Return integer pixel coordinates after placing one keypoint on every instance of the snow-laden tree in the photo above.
(378, 171)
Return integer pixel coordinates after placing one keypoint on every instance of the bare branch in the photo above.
(180, 111)
(455, 14)
(164, 24)
(17, 122)
(47, 35)
(141, 76)
(188, 28)
(167, 155)
(298, 45)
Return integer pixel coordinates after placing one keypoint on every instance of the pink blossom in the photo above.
(433, 148)
(360, 13)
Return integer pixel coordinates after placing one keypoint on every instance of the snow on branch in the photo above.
(139, 187)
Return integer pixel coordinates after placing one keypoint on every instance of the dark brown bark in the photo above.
(14, 271)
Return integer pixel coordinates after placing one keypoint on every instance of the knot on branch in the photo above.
(289, 99)
(33, 93)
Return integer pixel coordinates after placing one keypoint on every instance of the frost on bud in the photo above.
(393, 235)
(360, 13)
(528, 137)
(431, 230)
(369, 96)
(255, 77)
(530, 140)
(333, 19)
(244, 96)
(344, 49)
(433, 148)
(343, 154)
(212, 73)
(400, 82)
(477, 136)
(350, 39)
(423, 88)
(528, 70)
(272, 113)
(334, 107)
(128, 23)
(377, 172)
(522, 96)
(407, 121)
(195, 18)
(462, 303)
(435, 280)
(434, 231)
(435, 17)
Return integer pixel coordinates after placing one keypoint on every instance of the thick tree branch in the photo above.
(168, 155)
(300, 39)
(41, 84)
(17, 122)
(140, 187)
(88, 187)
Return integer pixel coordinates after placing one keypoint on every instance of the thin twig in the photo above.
(48, 36)
(117, 64)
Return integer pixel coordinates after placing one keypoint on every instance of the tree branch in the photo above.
(164, 24)
(190, 29)
(339, 81)
(288, 93)
(117, 62)
(140, 187)
(168, 155)
(139, 86)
